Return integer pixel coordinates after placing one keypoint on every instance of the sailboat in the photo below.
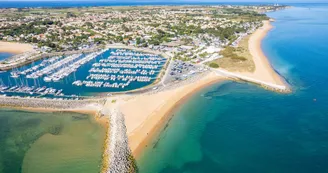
(14, 74)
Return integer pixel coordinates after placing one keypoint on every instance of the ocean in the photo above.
(235, 127)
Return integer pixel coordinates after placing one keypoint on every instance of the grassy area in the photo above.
(237, 59)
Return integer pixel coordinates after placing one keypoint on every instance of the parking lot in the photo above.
(180, 70)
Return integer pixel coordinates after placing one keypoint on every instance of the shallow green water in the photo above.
(49, 142)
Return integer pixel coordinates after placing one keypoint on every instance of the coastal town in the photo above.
(189, 33)
(129, 66)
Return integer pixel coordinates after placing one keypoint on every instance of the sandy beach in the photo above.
(145, 115)
(16, 48)
(263, 69)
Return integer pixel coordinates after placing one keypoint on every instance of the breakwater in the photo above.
(267, 85)
(48, 103)
(120, 159)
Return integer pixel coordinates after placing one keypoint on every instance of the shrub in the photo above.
(214, 65)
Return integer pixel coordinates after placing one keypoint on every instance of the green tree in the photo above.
(138, 40)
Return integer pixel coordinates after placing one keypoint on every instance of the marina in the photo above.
(84, 74)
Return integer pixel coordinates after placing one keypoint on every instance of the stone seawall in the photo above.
(48, 103)
(120, 159)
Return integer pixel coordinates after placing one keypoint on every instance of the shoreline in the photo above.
(145, 119)
(14, 47)
(157, 129)
(264, 71)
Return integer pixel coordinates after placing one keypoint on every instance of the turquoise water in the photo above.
(241, 128)
(4, 55)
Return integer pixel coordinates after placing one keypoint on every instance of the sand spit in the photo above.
(264, 74)
(263, 70)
